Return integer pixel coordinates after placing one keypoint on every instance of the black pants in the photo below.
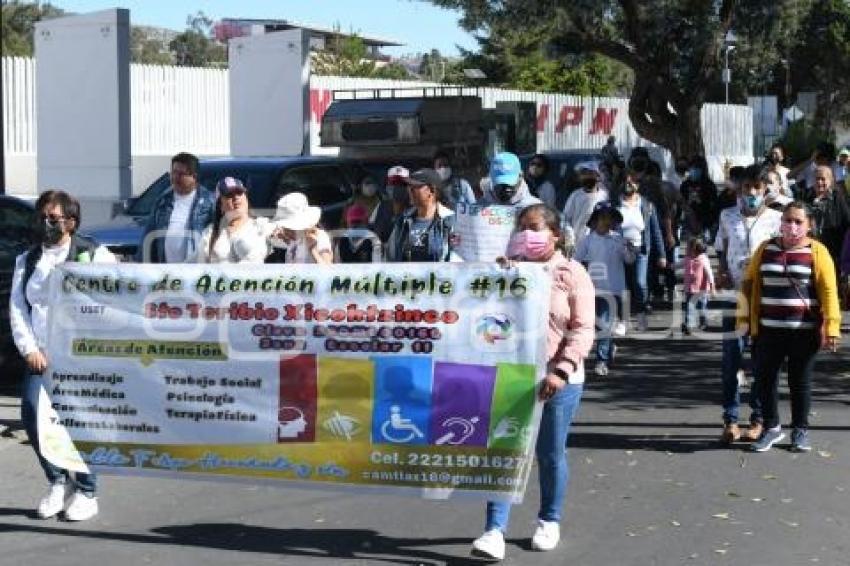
(800, 348)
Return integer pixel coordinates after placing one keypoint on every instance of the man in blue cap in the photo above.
(505, 185)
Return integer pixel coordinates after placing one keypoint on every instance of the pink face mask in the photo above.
(792, 234)
(530, 245)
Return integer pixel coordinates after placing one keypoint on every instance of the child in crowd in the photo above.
(698, 283)
(359, 244)
(605, 254)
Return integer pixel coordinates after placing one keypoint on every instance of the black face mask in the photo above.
(505, 192)
(588, 183)
(50, 232)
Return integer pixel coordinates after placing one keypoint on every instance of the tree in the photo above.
(347, 56)
(147, 50)
(18, 25)
(821, 60)
(673, 48)
(194, 48)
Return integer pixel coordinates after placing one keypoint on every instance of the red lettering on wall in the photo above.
(319, 102)
(542, 117)
(570, 116)
(603, 122)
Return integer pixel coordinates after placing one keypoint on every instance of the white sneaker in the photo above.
(54, 500)
(490, 545)
(619, 329)
(546, 536)
(642, 322)
(81, 507)
(601, 369)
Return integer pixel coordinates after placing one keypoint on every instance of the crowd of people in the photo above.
(781, 238)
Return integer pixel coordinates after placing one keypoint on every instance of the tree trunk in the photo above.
(679, 131)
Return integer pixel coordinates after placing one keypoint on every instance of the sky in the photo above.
(418, 24)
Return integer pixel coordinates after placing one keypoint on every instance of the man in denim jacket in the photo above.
(179, 216)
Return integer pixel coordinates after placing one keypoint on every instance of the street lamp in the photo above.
(728, 45)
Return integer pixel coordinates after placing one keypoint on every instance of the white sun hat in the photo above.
(295, 213)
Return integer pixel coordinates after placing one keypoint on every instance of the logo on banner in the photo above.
(342, 426)
(495, 332)
(398, 429)
(291, 423)
(459, 430)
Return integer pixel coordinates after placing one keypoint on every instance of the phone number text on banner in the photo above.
(401, 376)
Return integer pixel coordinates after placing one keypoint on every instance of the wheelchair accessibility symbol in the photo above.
(399, 429)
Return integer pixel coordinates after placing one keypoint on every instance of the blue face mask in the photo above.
(753, 201)
(695, 173)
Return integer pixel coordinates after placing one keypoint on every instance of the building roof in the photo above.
(280, 25)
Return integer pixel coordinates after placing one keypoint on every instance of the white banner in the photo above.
(402, 375)
(483, 232)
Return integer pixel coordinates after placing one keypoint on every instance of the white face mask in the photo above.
(445, 173)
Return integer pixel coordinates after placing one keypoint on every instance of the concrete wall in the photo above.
(83, 103)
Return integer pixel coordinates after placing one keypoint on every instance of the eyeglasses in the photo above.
(180, 173)
(233, 194)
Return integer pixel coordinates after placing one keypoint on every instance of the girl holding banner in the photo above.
(569, 339)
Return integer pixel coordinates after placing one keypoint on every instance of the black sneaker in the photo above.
(800, 440)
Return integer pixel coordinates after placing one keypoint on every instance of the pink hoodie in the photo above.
(572, 316)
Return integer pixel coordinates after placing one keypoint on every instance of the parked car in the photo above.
(561, 169)
(328, 182)
(16, 220)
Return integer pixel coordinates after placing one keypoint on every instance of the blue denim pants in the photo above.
(636, 278)
(608, 308)
(732, 361)
(551, 449)
(86, 483)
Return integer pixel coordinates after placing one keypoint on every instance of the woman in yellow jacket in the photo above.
(789, 305)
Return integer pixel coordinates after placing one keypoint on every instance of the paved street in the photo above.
(649, 485)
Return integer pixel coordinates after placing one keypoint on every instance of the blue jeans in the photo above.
(86, 483)
(732, 361)
(558, 414)
(607, 308)
(636, 279)
(695, 303)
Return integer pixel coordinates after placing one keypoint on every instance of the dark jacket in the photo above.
(200, 216)
(439, 238)
(832, 220)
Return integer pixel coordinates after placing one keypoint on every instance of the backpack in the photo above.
(80, 248)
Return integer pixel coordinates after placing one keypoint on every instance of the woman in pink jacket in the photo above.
(569, 339)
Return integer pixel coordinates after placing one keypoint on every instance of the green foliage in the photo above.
(194, 48)
(347, 56)
(799, 139)
(147, 50)
(592, 77)
(18, 25)
(821, 60)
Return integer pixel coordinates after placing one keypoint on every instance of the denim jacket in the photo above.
(200, 216)
(439, 237)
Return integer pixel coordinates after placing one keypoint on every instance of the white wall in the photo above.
(269, 78)
(83, 103)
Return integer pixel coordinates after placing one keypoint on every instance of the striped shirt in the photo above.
(788, 296)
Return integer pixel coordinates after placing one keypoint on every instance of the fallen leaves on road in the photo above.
(724, 516)
(824, 454)
(769, 477)
(791, 524)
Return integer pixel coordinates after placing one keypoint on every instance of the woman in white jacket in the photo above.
(234, 236)
(57, 216)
